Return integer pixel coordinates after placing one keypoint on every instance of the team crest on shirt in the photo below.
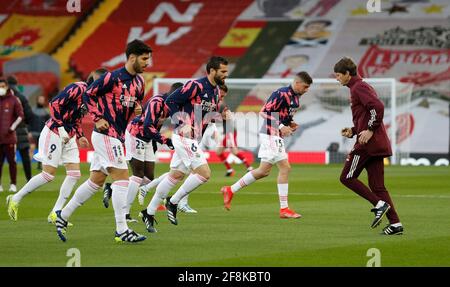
(292, 111)
(127, 101)
(208, 106)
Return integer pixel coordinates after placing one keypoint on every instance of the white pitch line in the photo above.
(431, 196)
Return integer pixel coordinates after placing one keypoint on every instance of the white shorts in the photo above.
(138, 149)
(272, 149)
(52, 151)
(188, 155)
(108, 152)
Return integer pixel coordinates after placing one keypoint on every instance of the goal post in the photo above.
(324, 110)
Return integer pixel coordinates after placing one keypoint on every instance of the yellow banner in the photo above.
(240, 37)
(23, 35)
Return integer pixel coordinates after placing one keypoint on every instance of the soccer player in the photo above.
(143, 190)
(141, 137)
(187, 109)
(111, 102)
(371, 147)
(229, 138)
(278, 113)
(57, 144)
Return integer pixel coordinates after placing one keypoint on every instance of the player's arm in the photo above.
(375, 108)
(91, 99)
(57, 102)
(139, 96)
(153, 110)
(373, 105)
(84, 143)
(177, 99)
(18, 114)
(290, 120)
(348, 132)
(271, 113)
(77, 90)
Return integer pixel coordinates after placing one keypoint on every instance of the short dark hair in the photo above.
(137, 47)
(326, 22)
(345, 64)
(214, 63)
(99, 71)
(3, 80)
(12, 80)
(175, 86)
(305, 77)
(224, 88)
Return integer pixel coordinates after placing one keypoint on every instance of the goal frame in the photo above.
(391, 81)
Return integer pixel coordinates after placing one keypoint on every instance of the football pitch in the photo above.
(334, 230)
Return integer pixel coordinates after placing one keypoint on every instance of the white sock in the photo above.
(81, 195)
(379, 204)
(133, 187)
(162, 190)
(396, 224)
(192, 182)
(34, 183)
(154, 183)
(184, 200)
(247, 179)
(283, 194)
(72, 176)
(119, 201)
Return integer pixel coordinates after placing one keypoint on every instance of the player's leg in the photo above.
(235, 150)
(85, 191)
(73, 174)
(162, 190)
(268, 155)
(13, 201)
(240, 154)
(354, 164)
(284, 168)
(193, 158)
(183, 205)
(49, 154)
(375, 172)
(82, 194)
(70, 157)
(11, 158)
(137, 168)
(220, 151)
(250, 177)
(149, 171)
(150, 182)
(199, 176)
(135, 155)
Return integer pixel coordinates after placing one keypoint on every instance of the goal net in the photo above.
(324, 111)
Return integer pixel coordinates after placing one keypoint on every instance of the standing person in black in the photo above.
(41, 115)
(22, 131)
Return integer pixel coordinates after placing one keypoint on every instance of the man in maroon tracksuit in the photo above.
(11, 114)
(371, 147)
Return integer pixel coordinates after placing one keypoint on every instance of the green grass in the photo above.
(334, 231)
